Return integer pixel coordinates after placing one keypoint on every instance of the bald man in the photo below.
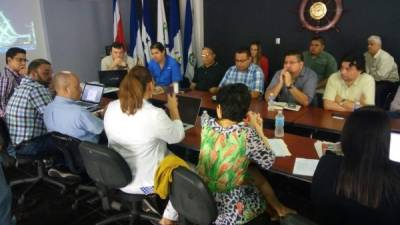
(65, 116)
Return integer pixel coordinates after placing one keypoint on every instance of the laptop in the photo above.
(394, 153)
(112, 78)
(189, 108)
(91, 96)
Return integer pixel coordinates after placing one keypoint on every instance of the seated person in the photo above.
(165, 69)
(259, 59)
(65, 116)
(5, 199)
(349, 86)
(295, 83)
(395, 105)
(140, 131)
(209, 75)
(320, 61)
(14, 70)
(118, 59)
(24, 112)
(228, 146)
(363, 185)
(382, 67)
(245, 72)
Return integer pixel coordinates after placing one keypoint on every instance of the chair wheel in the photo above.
(21, 200)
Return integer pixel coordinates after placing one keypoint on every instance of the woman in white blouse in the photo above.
(140, 131)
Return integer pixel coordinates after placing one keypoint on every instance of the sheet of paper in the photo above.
(318, 148)
(305, 167)
(279, 147)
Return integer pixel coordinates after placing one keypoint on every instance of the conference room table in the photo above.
(312, 118)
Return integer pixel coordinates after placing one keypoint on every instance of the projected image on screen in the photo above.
(13, 35)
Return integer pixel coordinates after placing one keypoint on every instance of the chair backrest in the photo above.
(105, 166)
(4, 135)
(69, 146)
(191, 197)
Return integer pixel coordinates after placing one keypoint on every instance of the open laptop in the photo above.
(189, 108)
(394, 153)
(91, 96)
(111, 78)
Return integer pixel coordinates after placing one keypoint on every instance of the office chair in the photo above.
(191, 198)
(39, 160)
(69, 146)
(110, 171)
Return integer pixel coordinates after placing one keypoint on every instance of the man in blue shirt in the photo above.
(65, 116)
(245, 72)
(165, 69)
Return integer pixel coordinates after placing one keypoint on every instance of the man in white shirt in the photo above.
(348, 87)
(118, 59)
(381, 65)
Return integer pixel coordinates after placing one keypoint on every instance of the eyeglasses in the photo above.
(241, 60)
(291, 62)
(21, 59)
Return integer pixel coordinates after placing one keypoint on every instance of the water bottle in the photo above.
(271, 99)
(357, 105)
(279, 124)
(204, 115)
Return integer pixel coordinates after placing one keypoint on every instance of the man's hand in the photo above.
(287, 78)
(165, 221)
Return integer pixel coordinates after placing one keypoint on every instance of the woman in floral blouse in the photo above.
(228, 146)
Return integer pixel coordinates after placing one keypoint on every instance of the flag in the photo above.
(162, 27)
(147, 30)
(136, 47)
(174, 32)
(189, 59)
(118, 28)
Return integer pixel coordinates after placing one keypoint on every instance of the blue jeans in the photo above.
(39, 145)
(5, 200)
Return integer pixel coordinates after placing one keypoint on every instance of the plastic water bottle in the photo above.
(271, 99)
(357, 105)
(279, 124)
(204, 115)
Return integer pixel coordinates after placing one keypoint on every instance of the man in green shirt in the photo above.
(323, 63)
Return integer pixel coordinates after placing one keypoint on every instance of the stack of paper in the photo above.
(279, 147)
(305, 167)
(322, 146)
(284, 105)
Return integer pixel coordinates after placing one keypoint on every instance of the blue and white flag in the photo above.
(136, 46)
(147, 30)
(162, 27)
(189, 59)
(174, 31)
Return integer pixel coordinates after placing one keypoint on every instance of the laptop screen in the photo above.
(189, 108)
(92, 93)
(112, 78)
(394, 154)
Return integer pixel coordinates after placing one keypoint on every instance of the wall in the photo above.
(78, 30)
(230, 24)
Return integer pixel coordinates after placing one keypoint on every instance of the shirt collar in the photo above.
(14, 73)
(62, 99)
(377, 54)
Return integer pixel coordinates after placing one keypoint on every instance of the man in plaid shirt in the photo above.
(245, 72)
(24, 111)
(14, 70)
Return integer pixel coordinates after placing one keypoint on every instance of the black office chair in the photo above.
(69, 146)
(39, 160)
(191, 198)
(110, 172)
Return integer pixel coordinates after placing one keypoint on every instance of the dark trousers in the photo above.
(384, 93)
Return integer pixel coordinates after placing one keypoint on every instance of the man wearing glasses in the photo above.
(245, 72)
(14, 70)
(295, 83)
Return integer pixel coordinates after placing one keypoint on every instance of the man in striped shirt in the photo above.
(14, 70)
